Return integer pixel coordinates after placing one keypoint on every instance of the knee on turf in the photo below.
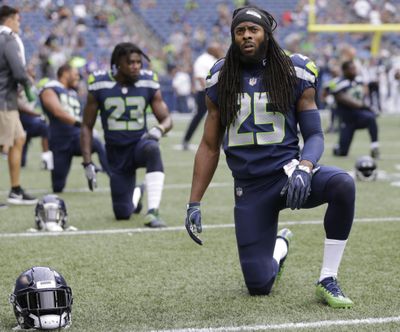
(337, 151)
(265, 290)
(121, 212)
(58, 188)
(258, 277)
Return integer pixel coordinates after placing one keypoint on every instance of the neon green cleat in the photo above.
(287, 235)
(153, 219)
(329, 291)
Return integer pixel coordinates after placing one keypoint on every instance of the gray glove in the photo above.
(155, 133)
(90, 173)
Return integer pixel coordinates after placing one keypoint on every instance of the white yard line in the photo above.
(107, 189)
(292, 326)
(174, 229)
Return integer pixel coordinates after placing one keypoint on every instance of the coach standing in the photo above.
(12, 73)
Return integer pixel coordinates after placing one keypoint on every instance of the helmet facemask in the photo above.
(51, 214)
(366, 169)
(43, 304)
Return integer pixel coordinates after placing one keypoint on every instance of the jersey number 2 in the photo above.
(260, 116)
(117, 121)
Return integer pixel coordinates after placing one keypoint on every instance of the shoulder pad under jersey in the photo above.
(305, 68)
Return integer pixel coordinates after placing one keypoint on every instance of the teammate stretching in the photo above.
(122, 96)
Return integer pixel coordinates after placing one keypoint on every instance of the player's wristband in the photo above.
(162, 129)
(192, 205)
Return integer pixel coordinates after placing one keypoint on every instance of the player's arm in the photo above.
(298, 186)
(311, 129)
(161, 112)
(343, 98)
(89, 119)
(205, 164)
(207, 156)
(51, 102)
(88, 122)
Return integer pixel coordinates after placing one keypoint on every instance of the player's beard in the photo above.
(130, 79)
(257, 57)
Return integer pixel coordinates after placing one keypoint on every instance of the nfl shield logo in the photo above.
(253, 81)
(239, 191)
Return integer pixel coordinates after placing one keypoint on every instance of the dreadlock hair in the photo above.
(279, 76)
(123, 49)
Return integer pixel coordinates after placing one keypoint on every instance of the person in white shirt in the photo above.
(201, 67)
(182, 85)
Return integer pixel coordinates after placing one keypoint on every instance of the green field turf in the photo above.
(127, 278)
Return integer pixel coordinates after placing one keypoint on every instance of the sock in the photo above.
(280, 250)
(47, 158)
(16, 189)
(374, 145)
(136, 196)
(333, 252)
(154, 186)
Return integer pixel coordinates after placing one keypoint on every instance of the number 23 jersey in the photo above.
(123, 107)
(260, 142)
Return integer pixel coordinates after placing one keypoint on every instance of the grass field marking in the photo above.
(107, 189)
(174, 228)
(292, 326)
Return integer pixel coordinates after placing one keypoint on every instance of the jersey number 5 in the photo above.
(257, 109)
(127, 113)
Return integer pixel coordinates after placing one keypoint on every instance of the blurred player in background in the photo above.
(35, 125)
(256, 98)
(122, 97)
(60, 102)
(354, 112)
(201, 67)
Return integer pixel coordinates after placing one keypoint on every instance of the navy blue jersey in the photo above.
(70, 104)
(123, 107)
(355, 88)
(261, 142)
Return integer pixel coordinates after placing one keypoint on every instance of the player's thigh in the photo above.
(364, 119)
(257, 206)
(36, 128)
(121, 158)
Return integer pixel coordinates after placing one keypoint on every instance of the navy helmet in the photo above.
(41, 299)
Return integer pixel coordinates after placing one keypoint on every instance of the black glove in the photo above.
(298, 187)
(90, 173)
(155, 133)
(193, 221)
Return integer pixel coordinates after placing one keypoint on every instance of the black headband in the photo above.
(255, 15)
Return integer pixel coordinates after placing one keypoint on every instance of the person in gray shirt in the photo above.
(12, 73)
